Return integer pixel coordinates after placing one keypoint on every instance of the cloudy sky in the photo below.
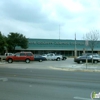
(50, 19)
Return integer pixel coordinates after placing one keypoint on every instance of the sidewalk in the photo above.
(80, 67)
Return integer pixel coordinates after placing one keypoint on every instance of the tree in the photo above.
(16, 39)
(92, 39)
(3, 43)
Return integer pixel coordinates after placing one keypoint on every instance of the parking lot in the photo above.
(37, 64)
(63, 64)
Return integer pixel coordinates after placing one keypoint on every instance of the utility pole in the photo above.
(75, 51)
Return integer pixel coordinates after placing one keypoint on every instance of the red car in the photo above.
(21, 56)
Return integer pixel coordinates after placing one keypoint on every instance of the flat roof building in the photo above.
(60, 46)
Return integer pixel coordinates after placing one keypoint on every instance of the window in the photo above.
(22, 54)
(17, 54)
(29, 54)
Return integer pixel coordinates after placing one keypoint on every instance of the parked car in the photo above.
(83, 59)
(39, 58)
(52, 56)
(21, 56)
(3, 57)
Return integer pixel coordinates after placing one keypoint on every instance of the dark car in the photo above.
(83, 59)
(39, 58)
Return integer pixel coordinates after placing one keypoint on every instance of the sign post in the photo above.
(86, 44)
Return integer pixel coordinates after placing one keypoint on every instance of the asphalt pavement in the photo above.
(67, 65)
(37, 84)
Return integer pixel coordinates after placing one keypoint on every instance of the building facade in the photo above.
(59, 46)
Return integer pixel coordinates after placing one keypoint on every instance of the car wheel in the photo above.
(95, 61)
(58, 59)
(80, 62)
(27, 61)
(64, 58)
(40, 60)
(10, 60)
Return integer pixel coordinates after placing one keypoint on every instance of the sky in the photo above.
(50, 19)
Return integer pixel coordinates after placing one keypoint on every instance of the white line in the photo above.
(81, 98)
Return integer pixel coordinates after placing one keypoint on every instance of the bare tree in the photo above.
(92, 39)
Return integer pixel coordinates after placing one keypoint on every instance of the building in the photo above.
(59, 46)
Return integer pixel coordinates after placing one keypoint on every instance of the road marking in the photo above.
(4, 79)
(81, 98)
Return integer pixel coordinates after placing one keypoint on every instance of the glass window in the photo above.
(17, 54)
(22, 54)
(29, 54)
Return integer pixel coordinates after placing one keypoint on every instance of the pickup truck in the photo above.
(52, 56)
(3, 57)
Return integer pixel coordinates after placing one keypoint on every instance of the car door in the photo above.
(48, 56)
(83, 59)
(22, 56)
(17, 57)
(36, 57)
(89, 59)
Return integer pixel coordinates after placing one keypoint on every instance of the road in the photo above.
(46, 84)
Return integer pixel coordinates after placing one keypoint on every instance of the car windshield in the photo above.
(17, 54)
